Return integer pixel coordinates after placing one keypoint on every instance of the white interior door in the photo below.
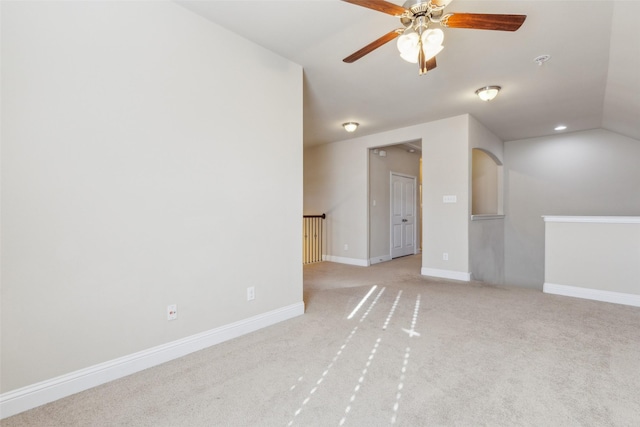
(403, 215)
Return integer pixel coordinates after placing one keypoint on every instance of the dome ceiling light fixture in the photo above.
(350, 126)
(417, 41)
(487, 93)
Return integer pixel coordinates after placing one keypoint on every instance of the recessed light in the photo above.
(560, 127)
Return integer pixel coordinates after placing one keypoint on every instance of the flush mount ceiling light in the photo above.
(487, 93)
(350, 126)
(560, 127)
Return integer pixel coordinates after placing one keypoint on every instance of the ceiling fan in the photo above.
(418, 42)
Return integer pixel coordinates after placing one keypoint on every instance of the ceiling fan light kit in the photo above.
(411, 42)
(417, 42)
(487, 93)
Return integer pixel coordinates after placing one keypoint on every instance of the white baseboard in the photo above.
(343, 260)
(446, 274)
(592, 294)
(20, 400)
(379, 259)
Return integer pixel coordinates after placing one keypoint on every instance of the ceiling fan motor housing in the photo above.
(418, 9)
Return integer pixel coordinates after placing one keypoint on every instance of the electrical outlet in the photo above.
(445, 256)
(251, 293)
(172, 312)
(346, 247)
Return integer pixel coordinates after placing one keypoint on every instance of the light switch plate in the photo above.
(449, 199)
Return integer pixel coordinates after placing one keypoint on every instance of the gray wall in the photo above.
(486, 237)
(399, 160)
(486, 246)
(584, 173)
(131, 180)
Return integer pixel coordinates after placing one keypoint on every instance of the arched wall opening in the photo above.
(486, 183)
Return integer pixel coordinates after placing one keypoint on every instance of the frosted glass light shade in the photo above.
(431, 51)
(433, 37)
(409, 44)
(487, 93)
(350, 126)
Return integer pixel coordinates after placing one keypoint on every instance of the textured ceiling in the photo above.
(592, 79)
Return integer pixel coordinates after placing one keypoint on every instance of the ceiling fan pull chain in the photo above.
(421, 60)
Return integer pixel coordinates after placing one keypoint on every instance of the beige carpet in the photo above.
(418, 352)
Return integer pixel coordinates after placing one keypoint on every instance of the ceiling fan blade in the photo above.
(380, 6)
(373, 45)
(483, 21)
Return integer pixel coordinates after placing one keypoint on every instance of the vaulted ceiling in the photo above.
(591, 81)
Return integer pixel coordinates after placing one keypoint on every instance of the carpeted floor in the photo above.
(417, 352)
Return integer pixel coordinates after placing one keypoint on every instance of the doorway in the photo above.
(402, 159)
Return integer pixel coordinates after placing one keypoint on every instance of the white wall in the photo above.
(583, 174)
(336, 183)
(144, 163)
(593, 257)
(621, 97)
(446, 160)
